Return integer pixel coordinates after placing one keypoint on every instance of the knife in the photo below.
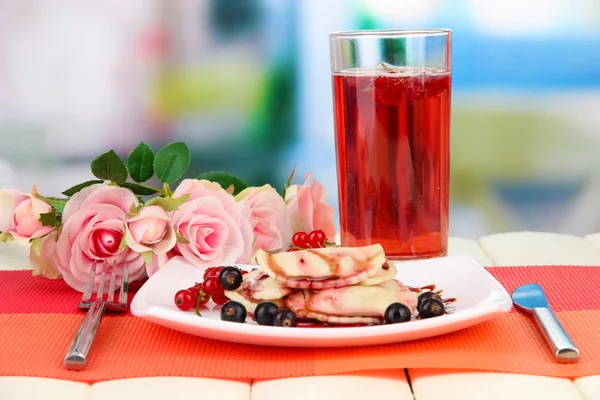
(532, 299)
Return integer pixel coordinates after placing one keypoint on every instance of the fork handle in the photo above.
(76, 357)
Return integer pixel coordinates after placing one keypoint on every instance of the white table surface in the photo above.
(518, 249)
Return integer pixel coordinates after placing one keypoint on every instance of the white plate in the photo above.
(479, 298)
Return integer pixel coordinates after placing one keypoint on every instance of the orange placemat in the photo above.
(33, 343)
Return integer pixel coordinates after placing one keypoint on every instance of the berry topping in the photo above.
(231, 278)
(194, 291)
(265, 312)
(425, 296)
(184, 300)
(431, 308)
(317, 239)
(233, 311)
(220, 299)
(212, 271)
(212, 286)
(284, 317)
(300, 240)
(208, 272)
(396, 312)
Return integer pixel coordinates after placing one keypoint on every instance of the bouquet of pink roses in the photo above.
(213, 219)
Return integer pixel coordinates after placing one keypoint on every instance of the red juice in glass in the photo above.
(392, 138)
(392, 129)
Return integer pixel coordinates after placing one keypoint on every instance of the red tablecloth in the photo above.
(38, 319)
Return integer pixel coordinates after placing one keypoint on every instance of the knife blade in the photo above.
(531, 298)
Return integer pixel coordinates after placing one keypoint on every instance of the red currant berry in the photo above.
(184, 300)
(317, 239)
(194, 291)
(212, 286)
(217, 272)
(220, 299)
(212, 271)
(244, 272)
(300, 239)
(208, 272)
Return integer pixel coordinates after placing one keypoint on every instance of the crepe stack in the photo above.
(333, 285)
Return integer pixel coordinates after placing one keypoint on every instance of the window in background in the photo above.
(79, 78)
(227, 84)
(247, 84)
(524, 127)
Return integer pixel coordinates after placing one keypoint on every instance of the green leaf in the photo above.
(141, 163)
(133, 211)
(58, 204)
(147, 255)
(35, 245)
(172, 161)
(289, 182)
(181, 239)
(109, 166)
(225, 180)
(140, 190)
(168, 203)
(291, 177)
(72, 190)
(48, 219)
(123, 243)
(58, 232)
(6, 237)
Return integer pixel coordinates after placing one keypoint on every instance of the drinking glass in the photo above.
(391, 91)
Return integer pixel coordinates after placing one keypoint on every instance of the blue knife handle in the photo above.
(564, 349)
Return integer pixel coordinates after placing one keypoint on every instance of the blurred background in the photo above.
(246, 84)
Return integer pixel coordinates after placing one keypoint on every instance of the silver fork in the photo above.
(76, 357)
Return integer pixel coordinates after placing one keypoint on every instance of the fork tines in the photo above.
(121, 302)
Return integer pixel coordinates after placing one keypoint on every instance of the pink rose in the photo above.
(99, 194)
(268, 217)
(308, 210)
(200, 188)
(20, 213)
(42, 264)
(214, 232)
(93, 228)
(150, 230)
